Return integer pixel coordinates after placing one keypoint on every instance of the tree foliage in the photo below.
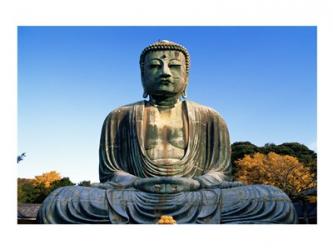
(85, 183)
(306, 156)
(46, 179)
(283, 171)
(239, 149)
(37, 189)
(61, 183)
(26, 192)
(300, 151)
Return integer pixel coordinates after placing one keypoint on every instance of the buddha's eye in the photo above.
(175, 64)
(155, 64)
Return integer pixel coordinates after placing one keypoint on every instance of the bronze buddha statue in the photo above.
(166, 156)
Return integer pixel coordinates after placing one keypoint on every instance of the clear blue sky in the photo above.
(262, 80)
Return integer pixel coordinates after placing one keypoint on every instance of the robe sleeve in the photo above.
(112, 169)
(218, 151)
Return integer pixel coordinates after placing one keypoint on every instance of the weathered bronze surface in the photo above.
(166, 156)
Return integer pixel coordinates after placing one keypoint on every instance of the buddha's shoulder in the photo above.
(124, 109)
(207, 113)
(202, 108)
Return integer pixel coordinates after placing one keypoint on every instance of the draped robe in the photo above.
(122, 145)
(207, 157)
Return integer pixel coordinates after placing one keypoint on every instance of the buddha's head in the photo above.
(164, 69)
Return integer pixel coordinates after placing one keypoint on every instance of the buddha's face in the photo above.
(164, 73)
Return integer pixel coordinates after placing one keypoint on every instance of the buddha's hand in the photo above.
(120, 180)
(166, 185)
(215, 180)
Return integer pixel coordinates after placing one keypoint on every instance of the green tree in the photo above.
(63, 182)
(26, 192)
(279, 149)
(41, 192)
(37, 189)
(85, 183)
(306, 156)
(239, 150)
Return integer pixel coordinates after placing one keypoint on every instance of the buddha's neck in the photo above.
(164, 101)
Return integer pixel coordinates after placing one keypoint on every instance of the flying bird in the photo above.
(20, 157)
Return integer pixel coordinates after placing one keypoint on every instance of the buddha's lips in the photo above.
(165, 81)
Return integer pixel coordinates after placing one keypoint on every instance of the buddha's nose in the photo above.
(166, 70)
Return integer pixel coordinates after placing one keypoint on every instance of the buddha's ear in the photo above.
(142, 75)
(184, 92)
(145, 94)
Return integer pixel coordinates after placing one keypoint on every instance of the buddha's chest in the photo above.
(165, 134)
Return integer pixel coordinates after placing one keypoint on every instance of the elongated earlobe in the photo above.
(184, 94)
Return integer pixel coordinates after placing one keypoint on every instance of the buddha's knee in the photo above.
(257, 204)
(74, 204)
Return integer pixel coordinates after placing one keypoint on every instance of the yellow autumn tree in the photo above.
(282, 171)
(46, 178)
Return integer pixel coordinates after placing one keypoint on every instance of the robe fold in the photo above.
(208, 149)
(206, 158)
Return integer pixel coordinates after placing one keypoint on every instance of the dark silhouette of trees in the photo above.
(85, 183)
(37, 189)
(306, 156)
